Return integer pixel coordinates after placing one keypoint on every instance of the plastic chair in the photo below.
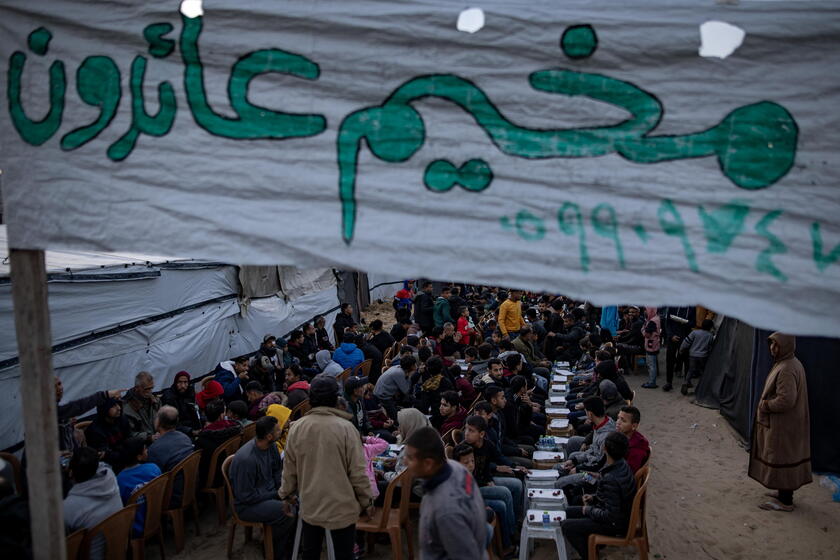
(345, 375)
(116, 529)
(17, 472)
(637, 535)
(447, 437)
(392, 521)
(389, 353)
(74, 544)
(248, 433)
(226, 449)
(153, 493)
(363, 369)
(300, 410)
(82, 426)
(189, 469)
(268, 543)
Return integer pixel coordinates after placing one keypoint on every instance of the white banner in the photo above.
(584, 148)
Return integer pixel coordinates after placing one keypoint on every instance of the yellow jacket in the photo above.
(325, 465)
(510, 317)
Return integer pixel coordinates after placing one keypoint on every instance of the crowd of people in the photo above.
(461, 380)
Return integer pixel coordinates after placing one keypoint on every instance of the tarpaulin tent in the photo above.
(735, 375)
(116, 314)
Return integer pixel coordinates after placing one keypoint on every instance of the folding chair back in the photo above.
(115, 529)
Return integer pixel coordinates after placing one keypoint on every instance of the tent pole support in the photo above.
(37, 390)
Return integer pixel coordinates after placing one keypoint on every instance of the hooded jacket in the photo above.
(324, 446)
(227, 377)
(297, 393)
(698, 343)
(208, 440)
(348, 355)
(327, 364)
(90, 502)
(442, 312)
(108, 434)
(780, 455)
(212, 390)
(184, 402)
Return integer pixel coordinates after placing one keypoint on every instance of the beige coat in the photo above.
(324, 464)
(780, 457)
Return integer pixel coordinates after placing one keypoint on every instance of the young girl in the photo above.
(373, 447)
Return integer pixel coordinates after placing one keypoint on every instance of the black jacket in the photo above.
(614, 495)
(185, 403)
(424, 308)
(359, 416)
(373, 353)
(104, 435)
(342, 321)
(323, 340)
(207, 441)
(382, 341)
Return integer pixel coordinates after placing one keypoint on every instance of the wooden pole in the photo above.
(37, 391)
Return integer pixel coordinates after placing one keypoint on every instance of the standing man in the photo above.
(510, 315)
(343, 321)
(780, 456)
(424, 308)
(255, 477)
(678, 323)
(442, 311)
(452, 517)
(325, 465)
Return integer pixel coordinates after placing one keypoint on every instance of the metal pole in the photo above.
(37, 391)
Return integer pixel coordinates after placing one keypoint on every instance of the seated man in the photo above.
(451, 411)
(297, 388)
(238, 412)
(497, 498)
(93, 497)
(607, 512)
(639, 448)
(108, 432)
(519, 456)
(508, 434)
(255, 474)
(170, 448)
(585, 456)
(233, 377)
(348, 355)
(394, 384)
(488, 462)
(141, 405)
(254, 393)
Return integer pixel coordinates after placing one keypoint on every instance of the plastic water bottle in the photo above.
(546, 520)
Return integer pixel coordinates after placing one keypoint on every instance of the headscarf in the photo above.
(650, 313)
(411, 420)
(787, 345)
(212, 390)
(282, 414)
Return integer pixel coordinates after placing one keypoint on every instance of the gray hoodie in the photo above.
(90, 502)
(595, 452)
(327, 364)
(698, 343)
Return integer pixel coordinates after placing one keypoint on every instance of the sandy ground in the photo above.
(701, 505)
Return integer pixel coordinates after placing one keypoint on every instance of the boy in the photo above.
(488, 461)
(698, 344)
(497, 498)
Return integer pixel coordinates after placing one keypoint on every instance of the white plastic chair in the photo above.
(535, 530)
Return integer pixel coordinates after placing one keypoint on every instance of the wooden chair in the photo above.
(74, 545)
(345, 375)
(188, 468)
(268, 543)
(17, 472)
(363, 369)
(637, 535)
(449, 450)
(226, 449)
(389, 353)
(457, 436)
(632, 398)
(116, 529)
(392, 521)
(300, 410)
(471, 409)
(248, 433)
(447, 437)
(152, 493)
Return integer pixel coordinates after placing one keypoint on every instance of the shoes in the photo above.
(358, 552)
(649, 385)
(684, 389)
(667, 387)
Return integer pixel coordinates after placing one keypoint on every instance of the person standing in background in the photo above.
(780, 455)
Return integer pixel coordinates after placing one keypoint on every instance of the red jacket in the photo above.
(454, 421)
(639, 451)
(465, 388)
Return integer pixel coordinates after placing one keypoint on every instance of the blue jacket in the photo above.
(348, 355)
(230, 382)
